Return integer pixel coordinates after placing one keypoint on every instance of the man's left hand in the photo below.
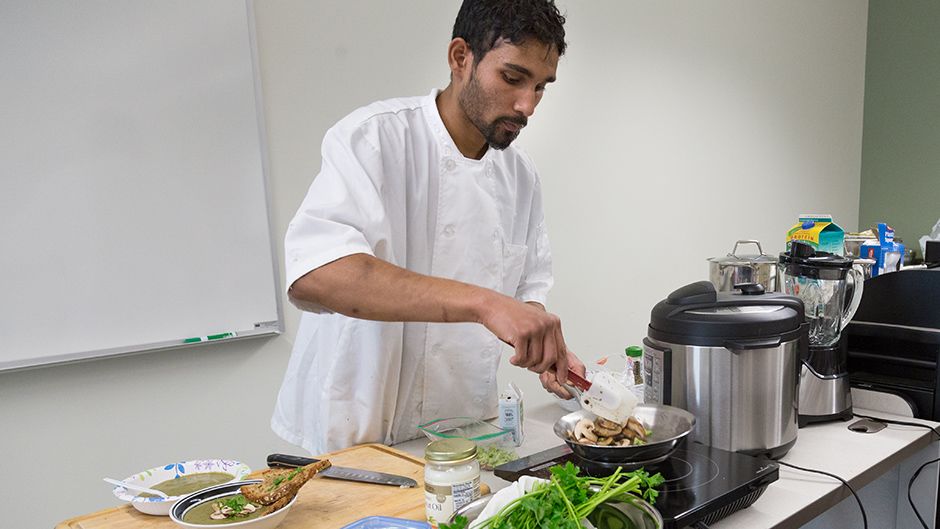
(549, 379)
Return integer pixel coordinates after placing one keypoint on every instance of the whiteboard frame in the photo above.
(270, 328)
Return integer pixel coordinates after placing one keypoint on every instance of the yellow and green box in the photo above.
(820, 232)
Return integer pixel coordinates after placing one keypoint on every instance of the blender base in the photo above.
(803, 420)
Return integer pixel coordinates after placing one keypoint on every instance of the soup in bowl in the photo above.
(177, 480)
(224, 505)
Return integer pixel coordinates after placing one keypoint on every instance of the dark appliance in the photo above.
(702, 483)
(894, 340)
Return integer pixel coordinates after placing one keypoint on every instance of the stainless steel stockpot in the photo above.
(732, 360)
(733, 269)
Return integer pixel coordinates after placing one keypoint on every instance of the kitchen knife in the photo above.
(345, 473)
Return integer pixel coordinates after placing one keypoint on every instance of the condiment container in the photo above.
(451, 478)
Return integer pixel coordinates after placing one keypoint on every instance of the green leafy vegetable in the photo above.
(281, 479)
(567, 498)
(236, 503)
(492, 456)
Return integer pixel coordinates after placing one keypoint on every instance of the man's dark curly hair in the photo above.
(481, 23)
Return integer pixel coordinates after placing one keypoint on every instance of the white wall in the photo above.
(675, 128)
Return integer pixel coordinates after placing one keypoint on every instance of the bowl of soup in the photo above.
(224, 505)
(177, 480)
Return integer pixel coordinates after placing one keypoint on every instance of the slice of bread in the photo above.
(281, 483)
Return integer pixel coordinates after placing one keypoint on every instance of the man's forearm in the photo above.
(365, 287)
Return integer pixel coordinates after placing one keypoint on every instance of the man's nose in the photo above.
(526, 103)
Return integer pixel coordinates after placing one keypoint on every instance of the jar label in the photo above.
(442, 500)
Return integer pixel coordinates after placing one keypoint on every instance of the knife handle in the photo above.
(284, 460)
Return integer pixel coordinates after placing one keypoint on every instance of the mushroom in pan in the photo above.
(602, 432)
(584, 431)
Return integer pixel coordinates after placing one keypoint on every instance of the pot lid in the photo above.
(697, 314)
(734, 258)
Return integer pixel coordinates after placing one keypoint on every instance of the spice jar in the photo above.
(451, 478)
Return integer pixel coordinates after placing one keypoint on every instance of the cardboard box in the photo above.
(886, 253)
(820, 232)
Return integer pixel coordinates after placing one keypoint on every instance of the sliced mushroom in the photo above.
(604, 441)
(628, 433)
(585, 430)
(637, 427)
(606, 428)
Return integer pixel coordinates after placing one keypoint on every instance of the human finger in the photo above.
(550, 353)
(534, 353)
(561, 362)
(550, 383)
(518, 359)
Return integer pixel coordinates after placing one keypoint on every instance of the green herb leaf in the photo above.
(460, 522)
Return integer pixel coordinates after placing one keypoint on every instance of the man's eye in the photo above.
(511, 80)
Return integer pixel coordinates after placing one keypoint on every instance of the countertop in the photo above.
(796, 497)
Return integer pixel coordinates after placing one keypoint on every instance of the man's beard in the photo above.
(473, 102)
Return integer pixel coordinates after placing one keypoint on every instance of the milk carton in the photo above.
(510, 412)
(819, 231)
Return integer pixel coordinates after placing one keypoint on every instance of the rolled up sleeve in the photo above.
(343, 212)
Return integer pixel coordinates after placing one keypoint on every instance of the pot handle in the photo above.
(734, 252)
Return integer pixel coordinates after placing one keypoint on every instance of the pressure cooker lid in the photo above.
(697, 314)
(804, 260)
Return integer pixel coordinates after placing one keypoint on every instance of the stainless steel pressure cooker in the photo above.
(732, 359)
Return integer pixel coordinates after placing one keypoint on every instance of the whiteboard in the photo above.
(134, 205)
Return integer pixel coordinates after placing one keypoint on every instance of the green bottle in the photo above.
(635, 362)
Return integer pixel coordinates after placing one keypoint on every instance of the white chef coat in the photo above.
(394, 185)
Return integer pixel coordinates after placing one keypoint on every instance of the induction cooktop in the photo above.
(702, 483)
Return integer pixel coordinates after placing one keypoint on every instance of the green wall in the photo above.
(901, 139)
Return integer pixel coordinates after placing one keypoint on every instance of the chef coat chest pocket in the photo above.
(513, 263)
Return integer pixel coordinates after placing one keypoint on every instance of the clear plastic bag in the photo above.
(495, 445)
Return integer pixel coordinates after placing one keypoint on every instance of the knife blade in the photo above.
(345, 473)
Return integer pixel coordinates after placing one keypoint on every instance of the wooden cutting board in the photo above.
(320, 503)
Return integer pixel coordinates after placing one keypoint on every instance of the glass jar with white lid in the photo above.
(451, 478)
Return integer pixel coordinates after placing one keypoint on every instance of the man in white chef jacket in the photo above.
(420, 248)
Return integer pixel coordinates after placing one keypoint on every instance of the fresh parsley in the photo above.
(567, 498)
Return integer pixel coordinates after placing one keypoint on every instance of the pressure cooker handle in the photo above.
(702, 295)
(758, 343)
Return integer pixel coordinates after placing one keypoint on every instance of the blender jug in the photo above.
(821, 280)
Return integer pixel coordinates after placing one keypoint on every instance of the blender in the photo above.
(822, 281)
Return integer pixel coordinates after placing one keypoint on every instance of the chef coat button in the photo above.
(450, 164)
(449, 230)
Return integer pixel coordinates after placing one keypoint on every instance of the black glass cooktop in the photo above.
(702, 483)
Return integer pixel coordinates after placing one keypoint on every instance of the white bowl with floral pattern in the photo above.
(156, 475)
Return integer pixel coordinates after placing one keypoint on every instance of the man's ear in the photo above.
(459, 58)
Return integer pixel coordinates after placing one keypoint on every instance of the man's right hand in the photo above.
(534, 334)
